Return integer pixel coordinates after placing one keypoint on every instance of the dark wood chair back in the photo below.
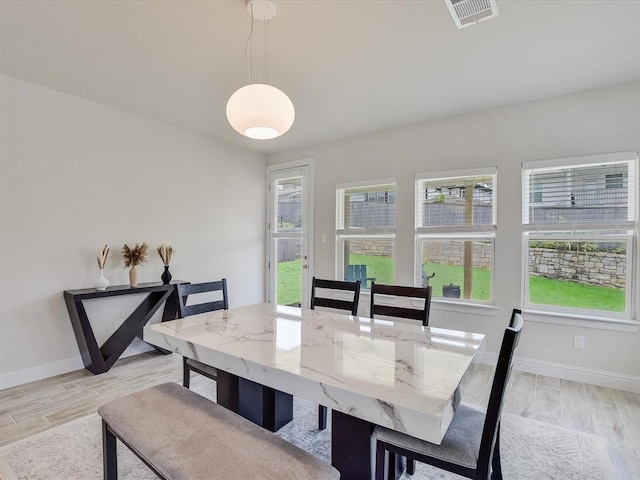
(491, 427)
(401, 312)
(348, 305)
(186, 289)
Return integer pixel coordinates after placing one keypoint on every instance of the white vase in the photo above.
(133, 276)
(101, 283)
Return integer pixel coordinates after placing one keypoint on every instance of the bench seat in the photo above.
(181, 435)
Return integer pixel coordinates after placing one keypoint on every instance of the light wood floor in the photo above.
(612, 414)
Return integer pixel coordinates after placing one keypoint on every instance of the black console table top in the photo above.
(99, 359)
(86, 293)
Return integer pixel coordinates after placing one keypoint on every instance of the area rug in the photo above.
(530, 450)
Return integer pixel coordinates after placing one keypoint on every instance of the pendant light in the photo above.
(259, 110)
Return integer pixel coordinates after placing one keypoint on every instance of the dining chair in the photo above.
(340, 304)
(184, 310)
(471, 445)
(421, 314)
(331, 302)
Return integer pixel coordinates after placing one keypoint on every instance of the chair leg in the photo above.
(391, 466)
(186, 373)
(381, 459)
(496, 473)
(322, 417)
(109, 454)
(411, 466)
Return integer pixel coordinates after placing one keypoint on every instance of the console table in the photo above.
(98, 359)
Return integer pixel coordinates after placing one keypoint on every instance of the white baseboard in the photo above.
(602, 378)
(20, 377)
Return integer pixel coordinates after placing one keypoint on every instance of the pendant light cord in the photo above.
(266, 46)
(248, 47)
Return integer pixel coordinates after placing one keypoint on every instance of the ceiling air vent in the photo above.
(468, 12)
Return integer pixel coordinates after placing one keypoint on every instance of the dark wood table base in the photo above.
(264, 406)
(353, 448)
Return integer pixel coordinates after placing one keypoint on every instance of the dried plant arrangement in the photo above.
(165, 252)
(102, 253)
(134, 256)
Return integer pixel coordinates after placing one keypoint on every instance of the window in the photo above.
(366, 231)
(455, 232)
(579, 234)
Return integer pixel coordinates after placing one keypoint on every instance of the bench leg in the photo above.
(186, 373)
(322, 417)
(109, 453)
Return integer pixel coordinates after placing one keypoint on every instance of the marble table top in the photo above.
(402, 376)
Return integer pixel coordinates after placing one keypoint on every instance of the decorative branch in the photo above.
(165, 252)
(134, 256)
(102, 253)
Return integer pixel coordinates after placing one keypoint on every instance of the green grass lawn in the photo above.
(542, 291)
(289, 280)
(446, 274)
(380, 268)
(547, 291)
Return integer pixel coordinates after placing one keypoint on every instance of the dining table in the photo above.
(369, 372)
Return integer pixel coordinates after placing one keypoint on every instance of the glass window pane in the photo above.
(583, 194)
(369, 207)
(584, 275)
(288, 206)
(289, 271)
(458, 268)
(455, 202)
(369, 260)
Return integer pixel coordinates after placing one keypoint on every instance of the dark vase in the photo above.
(166, 275)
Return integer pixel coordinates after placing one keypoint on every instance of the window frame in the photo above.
(613, 231)
(456, 233)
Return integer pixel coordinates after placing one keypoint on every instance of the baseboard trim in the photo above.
(51, 369)
(602, 378)
(32, 374)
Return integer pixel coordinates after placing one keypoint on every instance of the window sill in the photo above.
(463, 307)
(441, 305)
(573, 320)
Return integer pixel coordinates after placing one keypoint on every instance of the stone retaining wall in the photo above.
(444, 252)
(448, 252)
(592, 268)
(380, 248)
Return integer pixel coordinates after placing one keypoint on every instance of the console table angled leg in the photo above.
(89, 350)
(131, 327)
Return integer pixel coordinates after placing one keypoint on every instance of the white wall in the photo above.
(73, 174)
(597, 121)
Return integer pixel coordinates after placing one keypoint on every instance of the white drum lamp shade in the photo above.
(260, 111)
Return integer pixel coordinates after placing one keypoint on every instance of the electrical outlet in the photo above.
(578, 342)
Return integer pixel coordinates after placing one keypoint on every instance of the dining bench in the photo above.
(181, 435)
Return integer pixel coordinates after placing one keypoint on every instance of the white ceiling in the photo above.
(349, 66)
